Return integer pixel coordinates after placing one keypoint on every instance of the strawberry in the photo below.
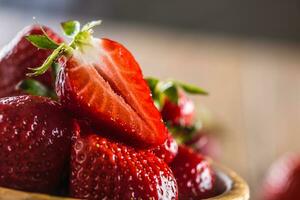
(35, 143)
(105, 169)
(283, 179)
(170, 97)
(100, 80)
(19, 55)
(194, 175)
(168, 150)
(181, 113)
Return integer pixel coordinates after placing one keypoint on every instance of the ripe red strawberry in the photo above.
(34, 144)
(283, 179)
(181, 113)
(101, 80)
(18, 56)
(194, 175)
(168, 150)
(104, 169)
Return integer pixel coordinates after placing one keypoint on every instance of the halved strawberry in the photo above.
(17, 56)
(35, 143)
(101, 80)
(104, 169)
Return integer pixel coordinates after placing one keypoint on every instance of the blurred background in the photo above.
(245, 53)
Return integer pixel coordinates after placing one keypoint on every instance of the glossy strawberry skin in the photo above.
(106, 85)
(104, 169)
(35, 143)
(19, 55)
(180, 114)
(194, 175)
(168, 150)
(283, 179)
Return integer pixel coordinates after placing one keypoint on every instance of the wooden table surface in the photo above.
(254, 85)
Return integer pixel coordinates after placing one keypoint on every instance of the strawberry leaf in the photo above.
(152, 82)
(70, 28)
(191, 89)
(170, 90)
(49, 61)
(90, 25)
(34, 87)
(42, 41)
(183, 134)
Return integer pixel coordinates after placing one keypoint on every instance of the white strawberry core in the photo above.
(89, 54)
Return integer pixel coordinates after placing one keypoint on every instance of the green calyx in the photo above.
(170, 89)
(34, 87)
(80, 38)
(183, 134)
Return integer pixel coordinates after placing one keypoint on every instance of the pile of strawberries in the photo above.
(84, 124)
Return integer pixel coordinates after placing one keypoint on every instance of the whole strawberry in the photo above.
(283, 179)
(34, 144)
(170, 97)
(19, 55)
(168, 150)
(181, 113)
(101, 81)
(194, 175)
(104, 169)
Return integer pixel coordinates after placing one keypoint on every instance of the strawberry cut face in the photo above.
(103, 82)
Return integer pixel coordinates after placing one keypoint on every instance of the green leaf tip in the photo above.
(34, 87)
(152, 82)
(90, 25)
(42, 41)
(191, 89)
(70, 28)
(170, 89)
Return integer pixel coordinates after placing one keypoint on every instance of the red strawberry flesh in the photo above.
(104, 83)
(19, 55)
(34, 144)
(104, 169)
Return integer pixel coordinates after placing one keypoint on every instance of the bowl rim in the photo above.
(236, 189)
(236, 186)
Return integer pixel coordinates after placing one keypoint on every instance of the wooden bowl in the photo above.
(231, 187)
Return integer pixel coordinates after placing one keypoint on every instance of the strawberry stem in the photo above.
(79, 39)
(50, 60)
